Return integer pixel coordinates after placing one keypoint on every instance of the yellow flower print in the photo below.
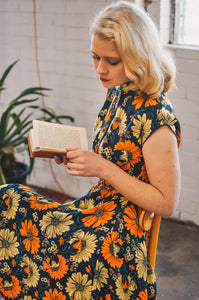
(29, 298)
(10, 288)
(8, 244)
(151, 278)
(100, 276)
(111, 249)
(141, 261)
(97, 127)
(55, 223)
(141, 128)
(32, 241)
(119, 121)
(84, 244)
(123, 200)
(127, 87)
(166, 118)
(56, 267)
(31, 270)
(86, 204)
(125, 289)
(11, 199)
(79, 287)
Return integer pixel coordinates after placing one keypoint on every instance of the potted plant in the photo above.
(15, 123)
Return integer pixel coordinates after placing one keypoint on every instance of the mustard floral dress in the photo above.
(93, 247)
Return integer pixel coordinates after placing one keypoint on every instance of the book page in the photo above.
(58, 136)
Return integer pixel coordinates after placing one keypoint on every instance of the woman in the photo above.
(95, 247)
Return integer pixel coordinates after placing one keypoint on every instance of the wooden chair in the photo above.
(153, 240)
(151, 222)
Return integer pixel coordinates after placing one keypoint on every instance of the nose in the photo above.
(102, 67)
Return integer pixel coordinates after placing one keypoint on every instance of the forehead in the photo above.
(103, 47)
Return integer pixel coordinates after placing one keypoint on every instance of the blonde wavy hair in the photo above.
(147, 64)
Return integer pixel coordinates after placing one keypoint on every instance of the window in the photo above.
(185, 22)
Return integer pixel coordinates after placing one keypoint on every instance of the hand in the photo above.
(85, 163)
(59, 159)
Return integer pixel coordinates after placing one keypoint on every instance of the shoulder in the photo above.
(154, 113)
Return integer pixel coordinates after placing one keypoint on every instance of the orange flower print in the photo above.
(40, 203)
(143, 174)
(143, 295)
(36, 294)
(132, 221)
(61, 241)
(178, 137)
(107, 117)
(88, 269)
(10, 288)
(32, 242)
(141, 97)
(24, 188)
(53, 294)
(111, 249)
(57, 267)
(13, 262)
(99, 215)
(108, 190)
(130, 154)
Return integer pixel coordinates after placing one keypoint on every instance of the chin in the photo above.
(108, 84)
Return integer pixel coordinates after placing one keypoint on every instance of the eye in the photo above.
(94, 56)
(114, 62)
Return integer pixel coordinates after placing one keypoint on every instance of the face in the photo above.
(107, 62)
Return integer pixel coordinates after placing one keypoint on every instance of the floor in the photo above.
(177, 263)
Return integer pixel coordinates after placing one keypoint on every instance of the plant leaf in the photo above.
(5, 74)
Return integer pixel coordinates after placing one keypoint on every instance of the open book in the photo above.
(47, 139)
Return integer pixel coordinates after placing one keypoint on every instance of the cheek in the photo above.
(122, 73)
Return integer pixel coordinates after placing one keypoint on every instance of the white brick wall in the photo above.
(186, 104)
(65, 65)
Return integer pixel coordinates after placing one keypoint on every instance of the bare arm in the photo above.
(162, 163)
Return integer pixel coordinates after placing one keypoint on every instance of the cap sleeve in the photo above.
(152, 118)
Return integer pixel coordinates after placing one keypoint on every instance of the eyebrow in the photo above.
(107, 57)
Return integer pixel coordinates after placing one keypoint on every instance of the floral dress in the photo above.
(93, 247)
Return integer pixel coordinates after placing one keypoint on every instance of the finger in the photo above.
(65, 159)
(74, 166)
(58, 159)
(73, 154)
(72, 149)
(73, 172)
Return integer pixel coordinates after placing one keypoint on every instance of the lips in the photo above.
(104, 79)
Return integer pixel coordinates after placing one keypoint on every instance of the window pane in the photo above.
(187, 22)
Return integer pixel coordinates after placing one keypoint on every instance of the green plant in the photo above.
(16, 122)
